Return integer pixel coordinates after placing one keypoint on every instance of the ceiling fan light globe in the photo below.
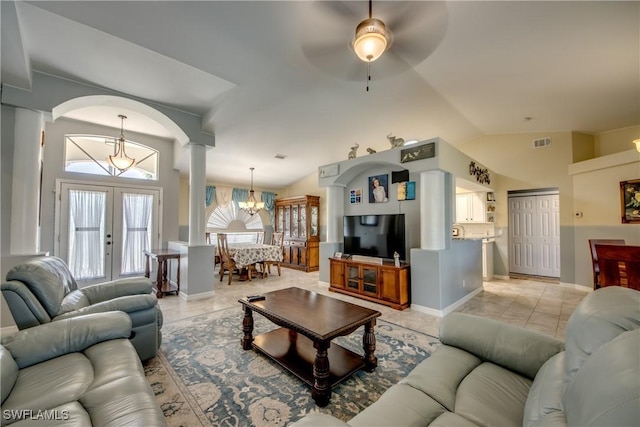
(371, 40)
(637, 142)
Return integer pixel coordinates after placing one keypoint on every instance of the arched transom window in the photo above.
(231, 218)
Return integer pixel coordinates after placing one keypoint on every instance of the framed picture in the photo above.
(355, 196)
(407, 190)
(425, 151)
(337, 255)
(378, 188)
(630, 201)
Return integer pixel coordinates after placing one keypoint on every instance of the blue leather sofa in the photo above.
(43, 290)
(488, 373)
(78, 371)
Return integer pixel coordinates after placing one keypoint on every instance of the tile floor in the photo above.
(544, 307)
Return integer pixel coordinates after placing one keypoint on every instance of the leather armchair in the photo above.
(77, 371)
(43, 290)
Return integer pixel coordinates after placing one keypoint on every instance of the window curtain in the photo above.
(86, 234)
(223, 196)
(239, 195)
(269, 200)
(136, 231)
(210, 195)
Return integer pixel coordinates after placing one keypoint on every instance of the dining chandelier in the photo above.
(251, 206)
(119, 159)
(637, 142)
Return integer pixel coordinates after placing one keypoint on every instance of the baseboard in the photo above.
(449, 309)
(501, 277)
(195, 297)
(575, 286)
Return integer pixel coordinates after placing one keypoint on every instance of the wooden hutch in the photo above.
(298, 218)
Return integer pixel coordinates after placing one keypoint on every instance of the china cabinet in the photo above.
(298, 219)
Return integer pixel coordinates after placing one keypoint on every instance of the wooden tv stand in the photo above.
(382, 283)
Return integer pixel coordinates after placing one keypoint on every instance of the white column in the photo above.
(197, 189)
(335, 212)
(435, 221)
(25, 192)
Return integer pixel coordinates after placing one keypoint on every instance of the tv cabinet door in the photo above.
(369, 281)
(337, 274)
(352, 278)
(389, 285)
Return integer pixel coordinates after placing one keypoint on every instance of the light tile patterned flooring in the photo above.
(544, 307)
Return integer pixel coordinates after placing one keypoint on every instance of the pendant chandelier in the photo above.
(637, 142)
(251, 206)
(120, 160)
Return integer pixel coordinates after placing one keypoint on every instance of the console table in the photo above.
(382, 283)
(162, 284)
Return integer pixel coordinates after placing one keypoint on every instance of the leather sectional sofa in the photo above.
(79, 371)
(43, 290)
(488, 373)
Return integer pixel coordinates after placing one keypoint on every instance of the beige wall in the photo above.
(616, 141)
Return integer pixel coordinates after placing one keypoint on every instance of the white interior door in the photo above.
(534, 235)
(104, 229)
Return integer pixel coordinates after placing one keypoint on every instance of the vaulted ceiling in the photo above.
(280, 77)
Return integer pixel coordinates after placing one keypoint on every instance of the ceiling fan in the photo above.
(404, 34)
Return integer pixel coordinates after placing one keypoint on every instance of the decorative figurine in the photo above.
(354, 150)
(395, 142)
(371, 150)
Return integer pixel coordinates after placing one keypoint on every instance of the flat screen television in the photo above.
(375, 235)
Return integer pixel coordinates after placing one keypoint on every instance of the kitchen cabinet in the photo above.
(298, 219)
(382, 283)
(470, 207)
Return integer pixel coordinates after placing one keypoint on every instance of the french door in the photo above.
(103, 230)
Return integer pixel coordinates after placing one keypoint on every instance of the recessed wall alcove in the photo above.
(444, 272)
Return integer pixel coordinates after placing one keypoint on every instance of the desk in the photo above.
(162, 284)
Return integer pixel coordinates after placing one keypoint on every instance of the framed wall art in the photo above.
(355, 196)
(630, 201)
(407, 190)
(378, 188)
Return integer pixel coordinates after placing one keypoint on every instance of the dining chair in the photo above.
(619, 265)
(594, 257)
(227, 263)
(277, 239)
(216, 257)
(260, 237)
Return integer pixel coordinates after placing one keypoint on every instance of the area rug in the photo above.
(203, 377)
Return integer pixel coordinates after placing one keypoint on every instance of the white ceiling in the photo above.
(265, 86)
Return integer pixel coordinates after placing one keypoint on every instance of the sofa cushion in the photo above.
(48, 278)
(606, 390)
(400, 405)
(439, 375)
(8, 371)
(449, 419)
(74, 300)
(545, 395)
(594, 323)
(492, 396)
(50, 384)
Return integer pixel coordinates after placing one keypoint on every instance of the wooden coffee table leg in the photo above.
(321, 391)
(247, 328)
(369, 345)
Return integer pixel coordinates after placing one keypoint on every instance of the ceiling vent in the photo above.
(280, 156)
(541, 142)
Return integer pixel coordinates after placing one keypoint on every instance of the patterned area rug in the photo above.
(203, 377)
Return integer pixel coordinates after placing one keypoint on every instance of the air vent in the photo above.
(280, 156)
(541, 142)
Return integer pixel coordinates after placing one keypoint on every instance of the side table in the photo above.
(162, 284)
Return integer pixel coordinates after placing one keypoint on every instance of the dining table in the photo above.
(245, 254)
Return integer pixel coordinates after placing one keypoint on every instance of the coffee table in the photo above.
(309, 321)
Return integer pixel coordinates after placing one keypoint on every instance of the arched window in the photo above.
(230, 218)
(88, 154)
